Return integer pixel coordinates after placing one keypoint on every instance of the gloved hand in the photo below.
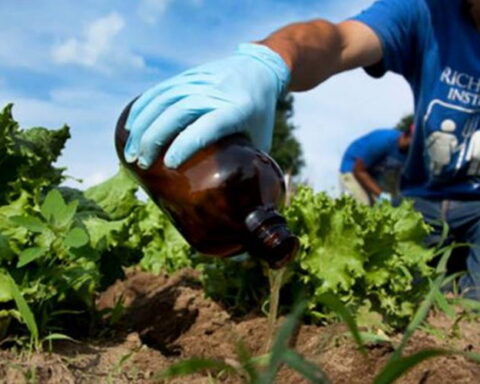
(384, 196)
(204, 104)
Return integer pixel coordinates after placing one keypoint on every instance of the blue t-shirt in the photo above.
(435, 46)
(373, 148)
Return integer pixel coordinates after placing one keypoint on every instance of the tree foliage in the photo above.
(286, 149)
(26, 157)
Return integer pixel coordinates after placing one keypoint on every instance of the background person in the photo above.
(372, 164)
(418, 39)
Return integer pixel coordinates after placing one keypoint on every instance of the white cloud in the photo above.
(151, 10)
(97, 48)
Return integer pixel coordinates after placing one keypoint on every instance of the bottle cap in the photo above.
(270, 239)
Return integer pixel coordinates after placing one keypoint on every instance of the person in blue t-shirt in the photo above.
(368, 160)
(433, 44)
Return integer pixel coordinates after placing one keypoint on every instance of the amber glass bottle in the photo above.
(223, 200)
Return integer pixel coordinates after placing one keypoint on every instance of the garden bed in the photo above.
(167, 319)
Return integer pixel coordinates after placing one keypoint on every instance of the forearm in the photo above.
(318, 49)
(303, 47)
(368, 182)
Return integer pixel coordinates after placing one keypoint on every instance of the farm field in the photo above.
(97, 286)
(240, 192)
(169, 319)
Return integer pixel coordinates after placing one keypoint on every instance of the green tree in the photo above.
(286, 150)
(27, 157)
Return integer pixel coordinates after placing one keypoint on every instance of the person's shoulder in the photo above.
(384, 136)
(389, 131)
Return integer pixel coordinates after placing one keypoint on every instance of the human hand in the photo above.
(207, 103)
(384, 196)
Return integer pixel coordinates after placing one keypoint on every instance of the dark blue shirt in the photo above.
(435, 46)
(373, 148)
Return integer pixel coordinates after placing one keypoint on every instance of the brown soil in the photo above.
(169, 319)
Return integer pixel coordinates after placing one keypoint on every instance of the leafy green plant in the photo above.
(372, 259)
(52, 262)
(134, 231)
(61, 245)
(27, 157)
(45, 249)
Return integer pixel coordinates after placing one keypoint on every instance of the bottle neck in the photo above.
(270, 239)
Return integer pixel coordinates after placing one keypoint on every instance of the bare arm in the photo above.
(363, 176)
(318, 49)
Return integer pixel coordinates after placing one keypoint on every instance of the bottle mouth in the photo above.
(269, 237)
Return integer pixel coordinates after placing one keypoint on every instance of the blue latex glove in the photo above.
(384, 196)
(206, 103)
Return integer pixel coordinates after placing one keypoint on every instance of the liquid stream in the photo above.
(275, 278)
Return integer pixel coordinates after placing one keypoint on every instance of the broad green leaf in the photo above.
(116, 195)
(6, 252)
(76, 238)
(15, 233)
(29, 255)
(5, 289)
(31, 223)
(46, 239)
(64, 216)
(101, 229)
(52, 206)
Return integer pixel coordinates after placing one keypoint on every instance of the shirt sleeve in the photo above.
(397, 23)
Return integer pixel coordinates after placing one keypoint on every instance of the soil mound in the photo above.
(166, 319)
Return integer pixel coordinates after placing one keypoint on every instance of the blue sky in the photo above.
(80, 62)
